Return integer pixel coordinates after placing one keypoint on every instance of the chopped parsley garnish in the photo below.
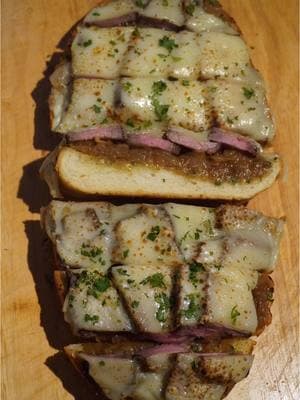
(123, 272)
(91, 318)
(101, 363)
(71, 298)
(193, 310)
(248, 92)
(190, 8)
(155, 230)
(197, 234)
(229, 120)
(194, 268)
(94, 253)
(96, 109)
(141, 3)
(96, 14)
(168, 43)
(161, 110)
(95, 282)
(155, 280)
(185, 82)
(165, 3)
(158, 87)
(164, 306)
(135, 304)
(87, 43)
(234, 314)
(125, 253)
(127, 86)
(136, 33)
(130, 123)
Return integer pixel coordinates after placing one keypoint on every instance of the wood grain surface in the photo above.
(33, 331)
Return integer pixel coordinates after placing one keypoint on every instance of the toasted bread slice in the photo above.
(85, 175)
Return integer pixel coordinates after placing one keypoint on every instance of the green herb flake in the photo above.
(96, 14)
(155, 280)
(193, 310)
(127, 86)
(91, 318)
(125, 253)
(167, 43)
(164, 306)
(248, 92)
(130, 123)
(185, 82)
(158, 87)
(194, 269)
(101, 363)
(123, 272)
(234, 314)
(136, 33)
(94, 253)
(87, 43)
(190, 9)
(155, 230)
(96, 109)
(161, 110)
(141, 3)
(135, 304)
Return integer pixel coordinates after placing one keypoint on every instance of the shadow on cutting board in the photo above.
(44, 139)
(34, 192)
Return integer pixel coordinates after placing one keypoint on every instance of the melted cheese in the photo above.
(92, 305)
(201, 21)
(98, 52)
(185, 383)
(83, 237)
(59, 96)
(226, 368)
(115, 376)
(186, 105)
(186, 58)
(111, 10)
(148, 386)
(193, 225)
(222, 55)
(169, 10)
(146, 56)
(147, 294)
(251, 235)
(91, 104)
(192, 295)
(230, 302)
(242, 107)
(146, 239)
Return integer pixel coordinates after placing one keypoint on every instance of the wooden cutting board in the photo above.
(33, 331)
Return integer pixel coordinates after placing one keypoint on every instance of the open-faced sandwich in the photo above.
(170, 293)
(160, 99)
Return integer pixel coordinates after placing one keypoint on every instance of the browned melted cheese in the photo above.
(228, 166)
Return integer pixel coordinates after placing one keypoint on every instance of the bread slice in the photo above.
(84, 175)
